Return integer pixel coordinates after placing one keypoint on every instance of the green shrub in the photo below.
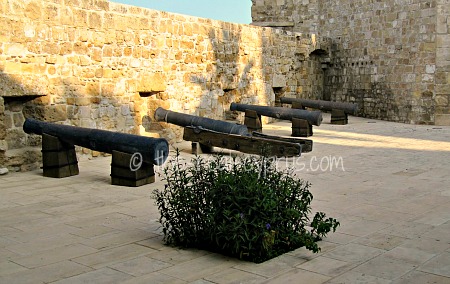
(245, 208)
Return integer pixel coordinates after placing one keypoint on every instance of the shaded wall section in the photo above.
(391, 57)
(383, 57)
(105, 65)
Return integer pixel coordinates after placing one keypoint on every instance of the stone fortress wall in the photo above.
(391, 57)
(98, 64)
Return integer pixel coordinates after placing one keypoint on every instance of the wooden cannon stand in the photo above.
(59, 160)
(338, 116)
(204, 140)
(300, 127)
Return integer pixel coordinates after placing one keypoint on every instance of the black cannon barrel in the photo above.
(152, 150)
(185, 120)
(349, 108)
(313, 117)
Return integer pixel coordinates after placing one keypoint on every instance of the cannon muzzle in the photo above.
(152, 150)
(185, 120)
(349, 108)
(313, 117)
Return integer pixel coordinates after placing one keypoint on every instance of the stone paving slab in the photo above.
(387, 183)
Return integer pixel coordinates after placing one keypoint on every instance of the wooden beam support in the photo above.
(130, 170)
(301, 128)
(59, 159)
(259, 145)
(339, 117)
(198, 148)
(297, 105)
(252, 121)
(307, 144)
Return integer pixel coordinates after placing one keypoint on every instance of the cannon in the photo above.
(153, 150)
(313, 117)
(349, 108)
(339, 110)
(206, 133)
(185, 120)
(302, 120)
(133, 153)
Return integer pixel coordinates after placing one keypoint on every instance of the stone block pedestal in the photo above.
(130, 170)
(339, 117)
(301, 128)
(59, 159)
(253, 121)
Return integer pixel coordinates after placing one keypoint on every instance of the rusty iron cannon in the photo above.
(339, 110)
(349, 108)
(206, 133)
(133, 156)
(184, 120)
(302, 120)
(313, 117)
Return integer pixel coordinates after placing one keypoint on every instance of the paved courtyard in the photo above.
(387, 183)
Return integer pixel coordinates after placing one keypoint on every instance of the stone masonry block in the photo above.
(430, 69)
(7, 121)
(442, 89)
(442, 52)
(18, 119)
(95, 20)
(441, 100)
(2, 105)
(2, 131)
(442, 119)
(3, 145)
(443, 40)
(152, 82)
(16, 138)
(279, 81)
(33, 11)
(441, 77)
(2, 159)
(55, 113)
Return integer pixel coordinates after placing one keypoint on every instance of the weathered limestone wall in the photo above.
(442, 116)
(384, 57)
(104, 65)
(391, 57)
